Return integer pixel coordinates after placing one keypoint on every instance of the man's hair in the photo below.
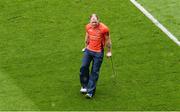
(94, 15)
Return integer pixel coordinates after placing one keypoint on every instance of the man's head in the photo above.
(94, 20)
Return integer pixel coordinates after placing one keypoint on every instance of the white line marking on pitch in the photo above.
(156, 22)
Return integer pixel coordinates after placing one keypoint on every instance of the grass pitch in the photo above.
(40, 56)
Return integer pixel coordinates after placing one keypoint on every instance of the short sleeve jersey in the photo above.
(96, 37)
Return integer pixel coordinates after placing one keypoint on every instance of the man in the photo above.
(97, 37)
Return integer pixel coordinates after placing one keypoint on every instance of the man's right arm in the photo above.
(86, 42)
(86, 39)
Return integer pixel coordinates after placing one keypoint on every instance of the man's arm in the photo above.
(86, 42)
(86, 39)
(108, 45)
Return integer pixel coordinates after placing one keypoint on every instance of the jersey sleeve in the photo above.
(105, 30)
(87, 27)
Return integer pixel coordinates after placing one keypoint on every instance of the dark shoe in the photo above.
(88, 96)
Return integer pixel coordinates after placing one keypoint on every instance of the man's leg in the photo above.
(93, 78)
(84, 70)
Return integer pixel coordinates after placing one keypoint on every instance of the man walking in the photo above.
(97, 37)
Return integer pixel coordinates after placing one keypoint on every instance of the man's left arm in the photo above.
(108, 45)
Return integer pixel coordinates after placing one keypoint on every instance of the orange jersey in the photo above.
(96, 37)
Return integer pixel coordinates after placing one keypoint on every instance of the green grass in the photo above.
(167, 12)
(40, 57)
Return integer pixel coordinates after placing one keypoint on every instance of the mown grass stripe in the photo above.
(12, 97)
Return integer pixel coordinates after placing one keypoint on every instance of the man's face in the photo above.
(94, 22)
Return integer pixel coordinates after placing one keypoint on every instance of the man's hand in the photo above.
(109, 54)
(83, 49)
